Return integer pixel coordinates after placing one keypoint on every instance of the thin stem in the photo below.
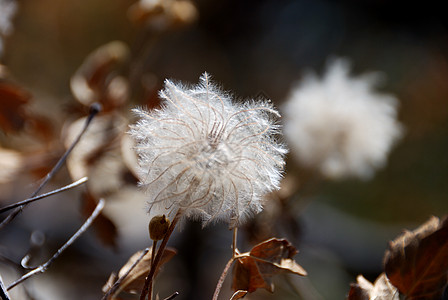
(116, 285)
(95, 108)
(153, 253)
(3, 292)
(60, 190)
(234, 248)
(42, 268)
(172, 296)
(148, 282)
(228, 265)
(222, 278)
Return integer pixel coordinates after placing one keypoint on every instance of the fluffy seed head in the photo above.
(206, 156)
(339, 124)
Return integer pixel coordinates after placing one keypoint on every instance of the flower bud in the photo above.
(158, 226)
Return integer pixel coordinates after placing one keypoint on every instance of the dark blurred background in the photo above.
(252, 48)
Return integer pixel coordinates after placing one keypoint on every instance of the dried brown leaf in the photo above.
(255, 269)
(163, 14)
(96, 79)
(12, 106)
(104, 228)
(246, 276)
(238, 295)
(382, 289)
(110, 282)
(42, 128)
(360, 289)
(135, 280)
(417, 261)
(14, 115)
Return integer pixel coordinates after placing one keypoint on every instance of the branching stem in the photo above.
(42, 268)
(172, 296)
(60, 190)
(95, 108)
(235, 255)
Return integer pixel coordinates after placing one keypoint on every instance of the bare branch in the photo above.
(60, 190)
(42, 268)
(95, 108)
(222, 278)
(3, 293)
(172, 296)
(235, 255)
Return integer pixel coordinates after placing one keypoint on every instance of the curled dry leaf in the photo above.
(14, 113)
(255, 268)
(238, 295)
(417, 261)
(135, 280)
(382, 289)
(97, 79)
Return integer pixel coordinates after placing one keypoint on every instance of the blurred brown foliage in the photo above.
(63, 55)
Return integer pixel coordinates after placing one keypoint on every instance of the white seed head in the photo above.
(339, 124)
(8, 9)
(206, 156)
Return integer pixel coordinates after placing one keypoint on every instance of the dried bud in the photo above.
(158, 227)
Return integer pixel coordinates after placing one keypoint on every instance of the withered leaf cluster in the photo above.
(131, 277)
(15, 115)
(381, 289)
(98, 79)
(105, 153)
(17, 118)
(415, 264)
(256, 268)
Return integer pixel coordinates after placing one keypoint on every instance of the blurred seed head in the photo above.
(8, 9)
(339, 125)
